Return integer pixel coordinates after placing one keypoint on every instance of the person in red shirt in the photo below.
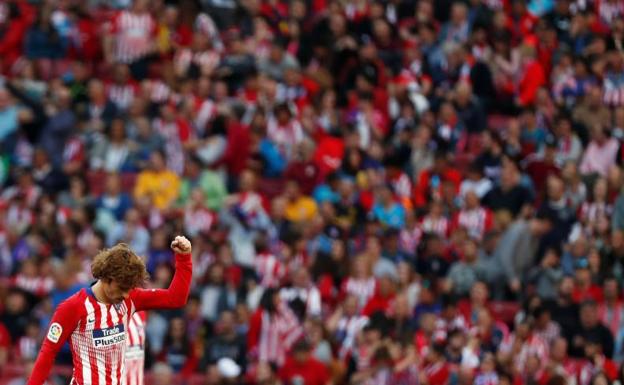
(436, 369)
(430, 181)
(584, 289)
(596, 362)
(301, 368)
(531, 78)
(13, 27)
(520, 22)
(383, 299)
(540, 169)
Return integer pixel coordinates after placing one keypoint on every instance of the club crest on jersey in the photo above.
(54, 334)
(109, 336)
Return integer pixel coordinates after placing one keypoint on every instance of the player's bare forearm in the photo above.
(177, 294)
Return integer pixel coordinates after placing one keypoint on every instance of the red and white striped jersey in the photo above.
(198, 220)
(270, 269)
(272, 335)
(135, 355)
(122, 94)
(96, 331)
(347, 332)
(477, 221)
(363, 288)
(39, 286)
(133, 35)
(435, 225)
(286, 137)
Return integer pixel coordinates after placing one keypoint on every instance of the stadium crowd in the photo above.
(378, 192)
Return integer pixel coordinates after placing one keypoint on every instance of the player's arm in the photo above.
(63, 323)
(177, 293)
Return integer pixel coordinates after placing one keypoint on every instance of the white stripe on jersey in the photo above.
(117, 359)
(135, 352)
(101, 366)
(84, 353)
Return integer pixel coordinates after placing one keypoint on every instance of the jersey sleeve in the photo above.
(173, 297)
(63, 323)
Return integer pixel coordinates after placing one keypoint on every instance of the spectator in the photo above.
(178, 350)
(157, 184)
(600, 153)
(130, 231)
(509, 195)
(610, 311)
(386, 210)
(303, 366)
(569, 147)
(208, 181)
(299, 207)
(130, 38)
(43, 40)
(463, 275)
(113, 202)
(9, 115)
(273, 330)
(226, 343)
(590, 330)
(547, 276)
(58, 126)
(304, 291)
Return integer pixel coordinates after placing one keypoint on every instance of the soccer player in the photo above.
(135, 355)
(95, 320)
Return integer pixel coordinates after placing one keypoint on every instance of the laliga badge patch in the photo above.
(54, 334)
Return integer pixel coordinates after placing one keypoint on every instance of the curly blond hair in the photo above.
(120, 264)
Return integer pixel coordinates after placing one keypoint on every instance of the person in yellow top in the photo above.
(299, 207)
(158, 183)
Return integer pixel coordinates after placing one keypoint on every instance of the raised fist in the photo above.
(181, 245)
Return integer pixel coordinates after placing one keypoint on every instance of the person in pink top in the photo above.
(600, 154)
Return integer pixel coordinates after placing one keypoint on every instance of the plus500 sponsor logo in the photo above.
(109, 336)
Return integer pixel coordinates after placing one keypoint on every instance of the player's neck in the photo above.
(98, 292)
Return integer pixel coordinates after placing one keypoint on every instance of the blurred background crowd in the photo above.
(378, 192)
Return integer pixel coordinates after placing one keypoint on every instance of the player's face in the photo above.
(115, 293)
